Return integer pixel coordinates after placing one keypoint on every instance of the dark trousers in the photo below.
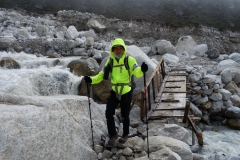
(112, 104)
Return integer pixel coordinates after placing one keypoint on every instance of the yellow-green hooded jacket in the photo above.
(120, 75)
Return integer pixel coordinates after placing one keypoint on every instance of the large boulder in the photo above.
(233, 112)
(84, 67)
(163, 46)
(170, 58)
(235, 57)
(159, 142)
(9, 63)
(227, 64)
(186, 44)
(49, 126)
(71, 33)
(94, 24)
(235, 99)
(234, 123)
(213, 53)
(200, 50)
(6, 42)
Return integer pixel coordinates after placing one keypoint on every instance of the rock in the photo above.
(135, 144)
(71, 33)
(215, 96)
(127, 152)
(94, 24)
(195, 110)
(186, 44)
(102, 90)
(119, 154)
(232, 87)
(213, 53)
(163, 46)
(42, 30)
(107, 154)
(227, 103)
(141, 154)
(235, 99)
(79, 52)
(195, 77)
(235, 57)
(22, 32)
(165, 154)
(90, 33)
(129, 41)
(100, 156)
(159, 142)
(197, 156)
(98, 149)
(233, 112)
(201, 100)
(227, 64)
(89, 41)
(225, 94)
(226, 76)
(169, 58)
(9, 63)
(87, 66)
(206, 105)
(216, 107)
(208, 91)
(105, 54)
(234, 123)
(200, 50)
(6, 42)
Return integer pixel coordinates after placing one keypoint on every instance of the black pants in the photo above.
(112, 104)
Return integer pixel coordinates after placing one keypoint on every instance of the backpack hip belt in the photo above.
(119, 94)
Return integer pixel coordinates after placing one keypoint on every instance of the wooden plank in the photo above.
(170, 105)
(173, 95)
(170, 78)
(168, 113)
(177, 72)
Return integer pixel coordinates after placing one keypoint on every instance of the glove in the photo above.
(87, 79)
(144, 67)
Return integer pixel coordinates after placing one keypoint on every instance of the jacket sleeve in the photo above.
(99, 77)
(136, 69)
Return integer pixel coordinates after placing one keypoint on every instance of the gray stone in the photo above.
(98, 149)
(216, 107)
(163, 46)
(159, 142)
(197, 156)
(228, 103)
(135, 143)
(6, 42)
(71, 33)
(235, 57)
(213, 53)
(100, 156)
(233, 112)
(225, 94)
(90, 33)
(165, 154)
(208, 92)
(232, 87)
(234, 123)
(235, 99)
(79, 52)
(42, 30)
(226, 76)
(200, 50)
(201, 100)
(94, 24)
(195, 110)
(186, 44)
(227, 64)
(89, 41)
(194, 77)
(215, 96)
(170, 58)
(119, 154)
(127, 151)
(216, 86)
(107, 154)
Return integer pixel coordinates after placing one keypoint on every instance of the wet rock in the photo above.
(71, 33)
(233, 112)
(79, 52)
(6, 42)
(234, 123)
(94, 24)
(163, 46)
(9, 63)
(200, 50)
(213, 53)
(159, 142)
(186, 44)
(235, 99)
(42, 30)
(225, 94)
(170, 58)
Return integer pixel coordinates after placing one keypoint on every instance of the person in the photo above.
(121, 90)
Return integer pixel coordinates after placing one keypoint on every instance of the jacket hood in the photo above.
(118, 42)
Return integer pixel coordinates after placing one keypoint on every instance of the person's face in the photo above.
(118, 51)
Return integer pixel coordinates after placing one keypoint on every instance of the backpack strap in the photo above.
(127, 67)
(110, 63)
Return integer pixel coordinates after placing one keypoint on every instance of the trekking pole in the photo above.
(89, 104)
(145, 103)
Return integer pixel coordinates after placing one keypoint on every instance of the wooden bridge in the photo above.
(166, 99)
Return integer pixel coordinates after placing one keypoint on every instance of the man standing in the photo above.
(121, 90)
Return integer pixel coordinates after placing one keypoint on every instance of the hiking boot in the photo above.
(123, 139)
(112, 139)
